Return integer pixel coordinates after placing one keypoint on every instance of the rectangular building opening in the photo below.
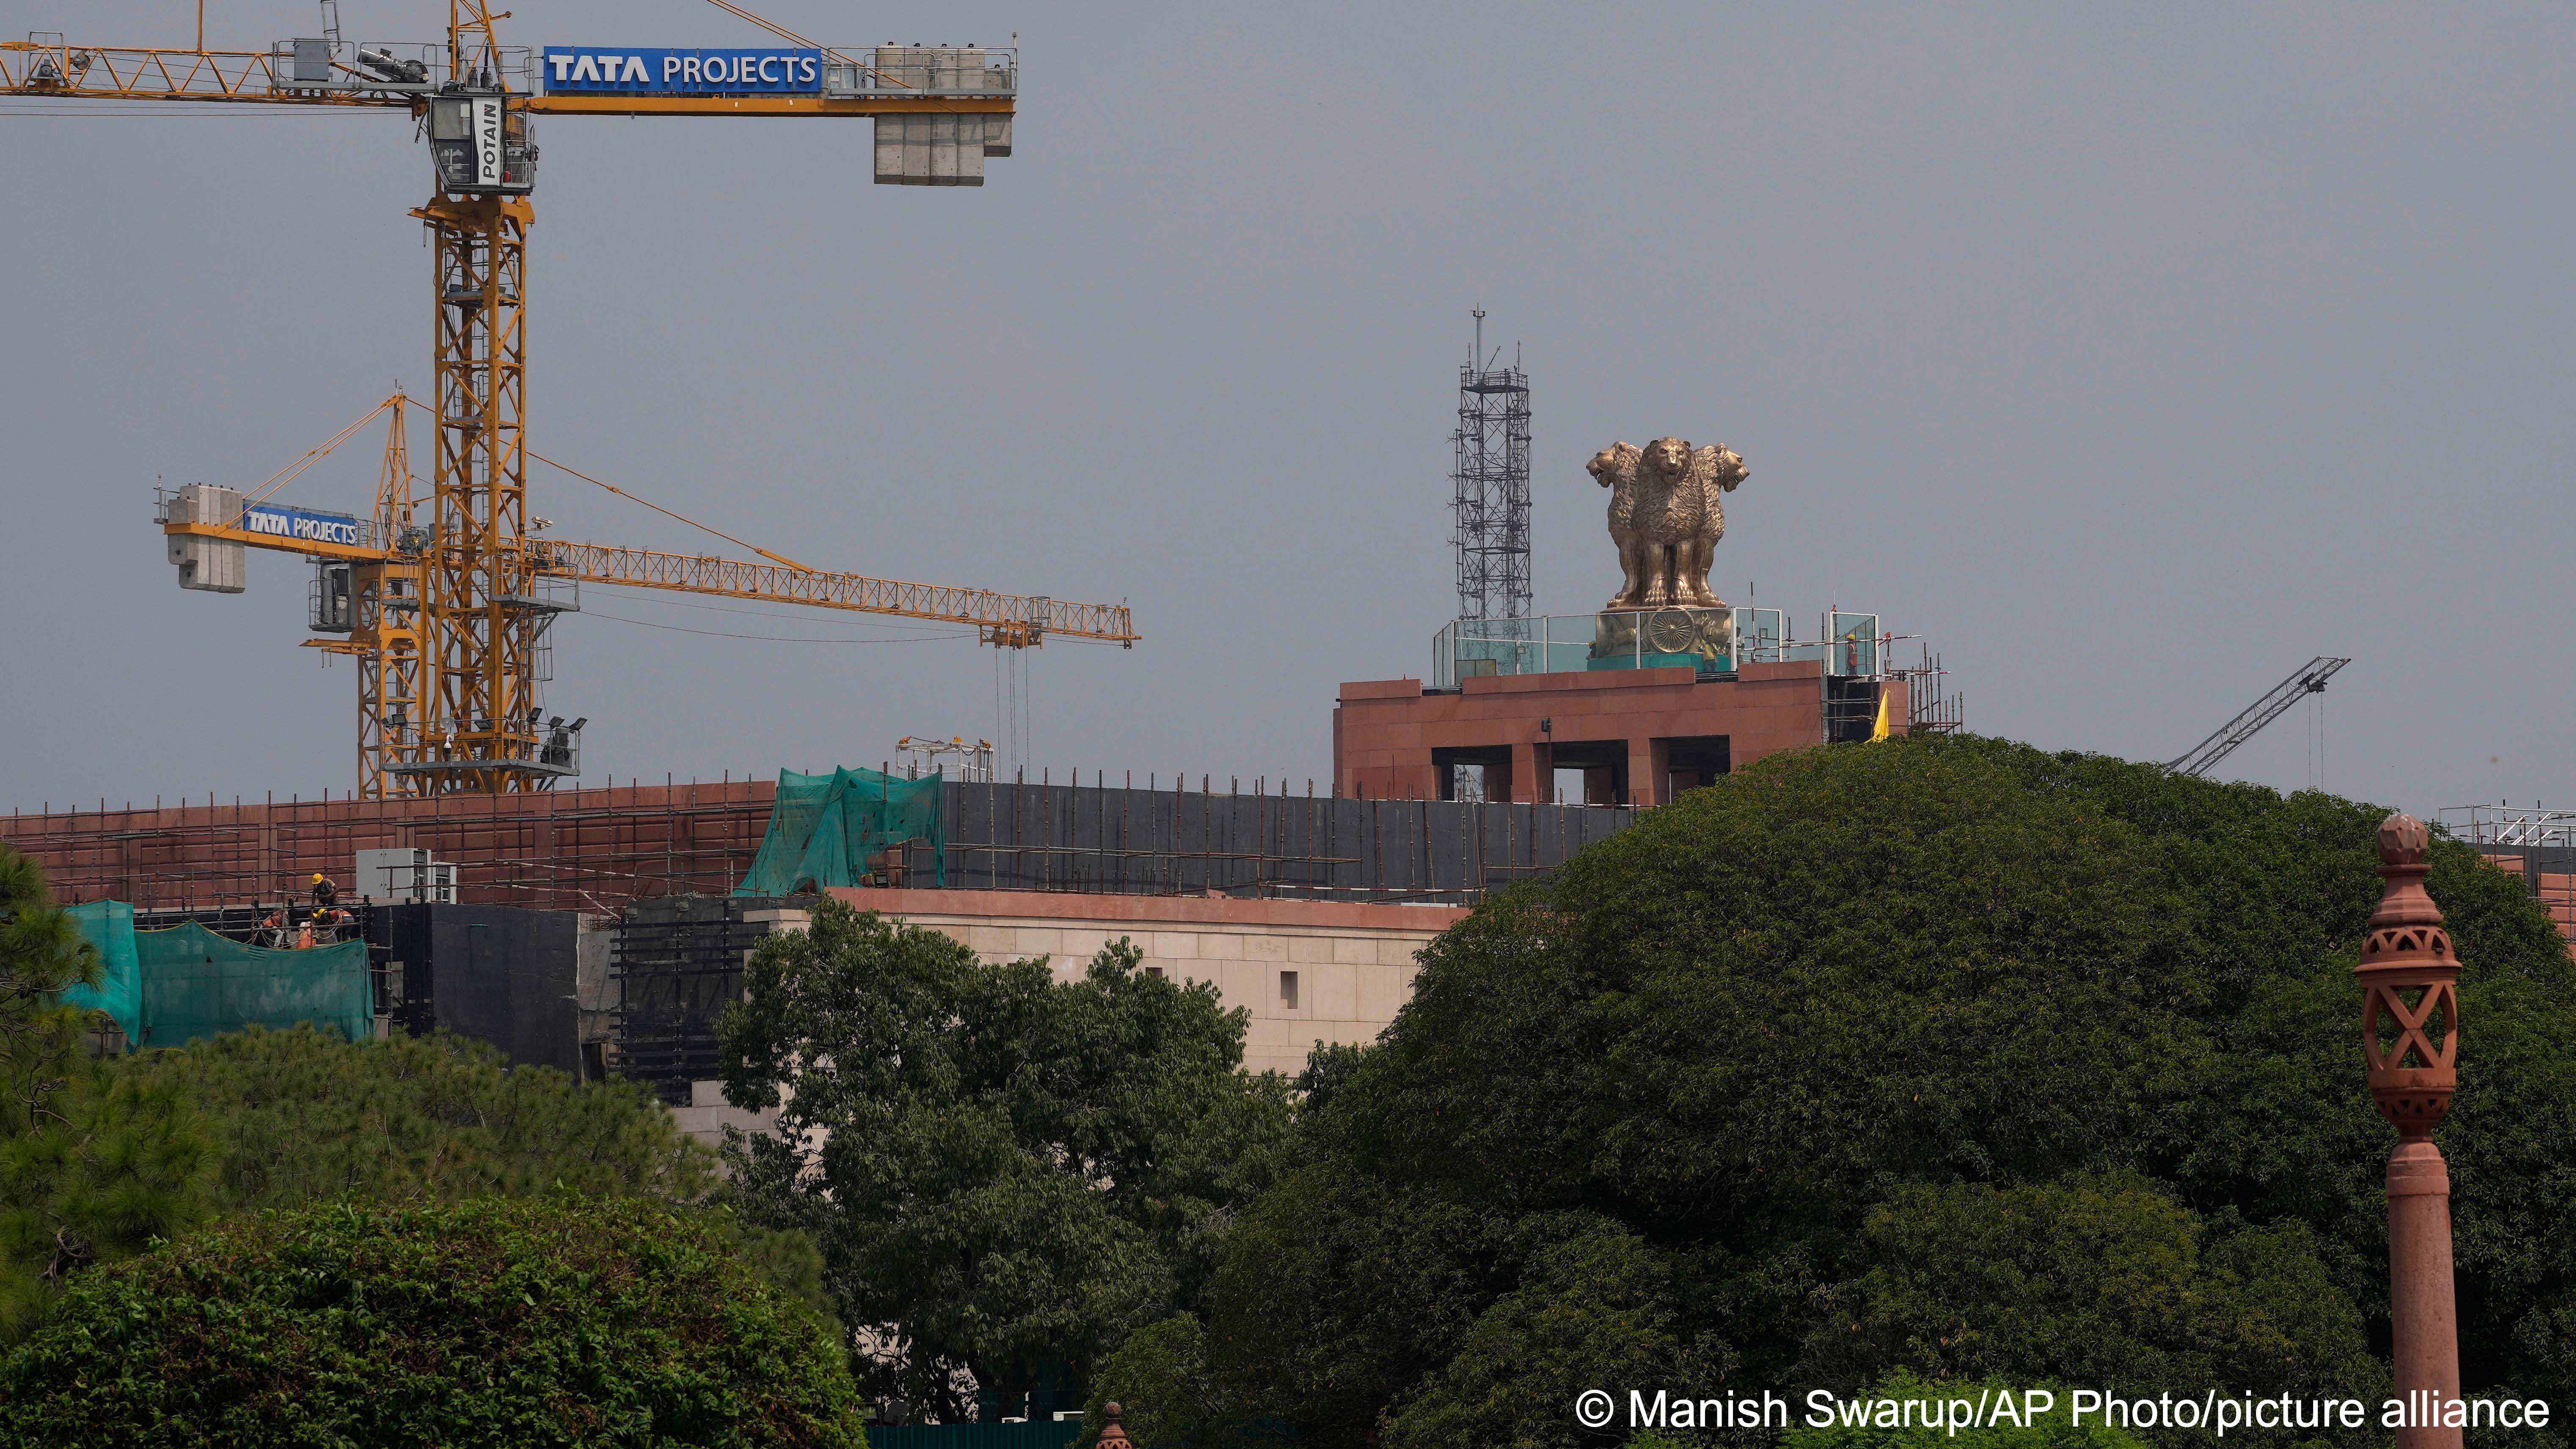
(1482, 772)
(1603, 765)
(1288, 990)
(1694, 760)
(1851, 710)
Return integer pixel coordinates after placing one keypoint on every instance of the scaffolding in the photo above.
(1931, 707)
(927, 754)
(676, 964)
(1491, 486)
(581, 850)
(2534, 842)
(2516, 825)
(1855, 655)
(598, 851)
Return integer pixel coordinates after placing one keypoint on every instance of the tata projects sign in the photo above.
(603, 70)
(278, 520)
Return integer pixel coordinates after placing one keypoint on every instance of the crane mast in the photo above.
(386, 631)
(477, 731)
(484, 609)
(447, 616)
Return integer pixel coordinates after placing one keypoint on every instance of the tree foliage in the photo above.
(1943, 1054)
(1012, 1172)
(298, 1117)
(301, 1116)
(2109, 1280)
(2054, 1429)
(555, 1320)
(1591, 1304)
(92, 1166)
(1162, 1372)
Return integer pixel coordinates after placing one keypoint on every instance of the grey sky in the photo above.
(2132, 354)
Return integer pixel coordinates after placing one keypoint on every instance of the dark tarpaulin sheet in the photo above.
(1016, 836)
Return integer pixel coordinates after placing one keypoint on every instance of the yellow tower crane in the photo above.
(447, 613)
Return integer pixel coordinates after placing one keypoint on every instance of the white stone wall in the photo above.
(709, 1114)
(1349, 980)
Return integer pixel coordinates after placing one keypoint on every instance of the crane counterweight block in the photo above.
(208, 563)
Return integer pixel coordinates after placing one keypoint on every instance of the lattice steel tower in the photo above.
(1492, 485)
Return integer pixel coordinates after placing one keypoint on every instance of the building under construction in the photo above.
(499, 899)
(598, 850)
(2533, 842)
(1307, 905)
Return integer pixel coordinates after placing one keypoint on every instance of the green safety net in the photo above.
(168, 988)
(823, 829)
(109, 925)
(198, 984)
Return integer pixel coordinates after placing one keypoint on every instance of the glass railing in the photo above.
(1710, 641)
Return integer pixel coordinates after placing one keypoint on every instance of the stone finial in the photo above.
(2410, 1036)
(2410, 1007)
(2405, 850)
(1110, 1434)
(2403, 840)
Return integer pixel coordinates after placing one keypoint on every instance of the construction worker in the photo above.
(326, 892)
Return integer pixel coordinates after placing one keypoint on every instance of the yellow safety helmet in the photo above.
(317, 877)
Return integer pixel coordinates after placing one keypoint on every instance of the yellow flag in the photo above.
(1880, 730)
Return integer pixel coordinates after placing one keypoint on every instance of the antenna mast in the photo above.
(1491, 487)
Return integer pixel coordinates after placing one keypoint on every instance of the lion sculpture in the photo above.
(1666, 516)
(1615, 468)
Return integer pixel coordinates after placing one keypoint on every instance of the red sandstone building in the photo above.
(1638, 736)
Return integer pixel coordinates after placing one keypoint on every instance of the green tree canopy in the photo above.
(2107, 1279)
(92, 1166)
(1006, 1174)
(301, 1116)
(1159, 1378)
(1944, 1054)
(554, 1320)
(2053, 1427)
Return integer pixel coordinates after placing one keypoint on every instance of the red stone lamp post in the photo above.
(2413, 1046)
